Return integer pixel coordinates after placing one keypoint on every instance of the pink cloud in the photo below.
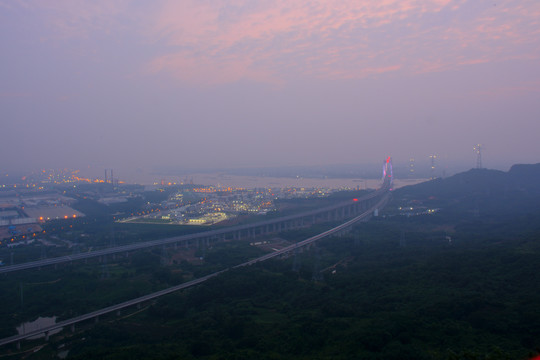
(221, 41)
(315, 36)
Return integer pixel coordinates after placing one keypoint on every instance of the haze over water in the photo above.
(250, 182)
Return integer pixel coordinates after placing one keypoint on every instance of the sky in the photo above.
(256, 83)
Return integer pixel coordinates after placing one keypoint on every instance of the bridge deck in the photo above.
(177, 239)
(185, 285)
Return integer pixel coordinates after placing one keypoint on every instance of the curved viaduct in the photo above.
(380, 197)
(337, 212)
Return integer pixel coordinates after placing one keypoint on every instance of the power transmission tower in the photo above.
(433, 158)
(411, 168)
(478, 149)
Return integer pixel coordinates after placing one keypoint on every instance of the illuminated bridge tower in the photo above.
(388, 173)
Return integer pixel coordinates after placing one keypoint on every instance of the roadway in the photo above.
(95, 314)
(184, 238)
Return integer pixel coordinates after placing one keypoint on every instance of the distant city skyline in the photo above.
(240, 84)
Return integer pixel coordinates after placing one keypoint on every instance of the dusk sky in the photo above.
(256, 83)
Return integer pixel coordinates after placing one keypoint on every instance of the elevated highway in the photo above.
(340, 211)
(382, 199)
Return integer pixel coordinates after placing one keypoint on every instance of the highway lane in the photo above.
(95, 314)
(184, 238)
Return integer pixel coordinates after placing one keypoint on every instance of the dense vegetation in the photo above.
(474, 299)
(460, 283)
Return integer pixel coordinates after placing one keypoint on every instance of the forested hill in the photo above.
(489, 191)
(519, 178)
(526, 176)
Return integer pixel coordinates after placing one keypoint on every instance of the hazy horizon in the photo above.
(255, 84)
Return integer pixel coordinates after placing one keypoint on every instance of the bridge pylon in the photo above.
(388, 173)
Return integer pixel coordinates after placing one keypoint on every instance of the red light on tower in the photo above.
(354, 199)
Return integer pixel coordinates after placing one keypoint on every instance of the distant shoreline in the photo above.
(249, 182)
